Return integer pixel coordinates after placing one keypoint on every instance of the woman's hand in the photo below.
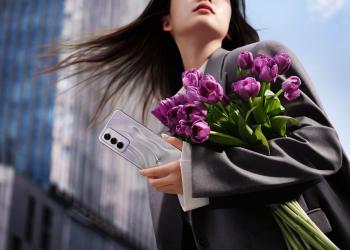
(166, 178)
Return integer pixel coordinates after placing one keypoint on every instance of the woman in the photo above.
(171, 36)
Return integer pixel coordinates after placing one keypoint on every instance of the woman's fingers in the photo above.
(159, 171)
(173, 141)
(169, 189)
(167, 180)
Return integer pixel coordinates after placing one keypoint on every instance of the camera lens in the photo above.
(120, 145)
(107, 136)
(113, 140)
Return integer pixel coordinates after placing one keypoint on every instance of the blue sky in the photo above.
(318, 31)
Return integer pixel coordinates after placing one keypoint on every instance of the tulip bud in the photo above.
(283, 62)
(291, 88)
(246, 88)
(245, 59)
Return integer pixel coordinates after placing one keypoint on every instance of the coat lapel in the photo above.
(215, 65)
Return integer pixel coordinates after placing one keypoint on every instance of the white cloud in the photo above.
(326, 8)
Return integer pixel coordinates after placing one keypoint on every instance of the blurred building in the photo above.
(42, 132)
(26, 105)
(32, 218)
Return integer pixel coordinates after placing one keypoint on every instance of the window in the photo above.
(45, 230)
(30, 219)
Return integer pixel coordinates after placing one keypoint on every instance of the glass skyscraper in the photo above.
(42, 131)
(26, 103)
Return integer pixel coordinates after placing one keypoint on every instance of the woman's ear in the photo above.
(166, 23)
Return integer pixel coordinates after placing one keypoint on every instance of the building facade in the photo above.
(33, 218)
(42, 129)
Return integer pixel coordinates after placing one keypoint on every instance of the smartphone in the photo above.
(136, 143)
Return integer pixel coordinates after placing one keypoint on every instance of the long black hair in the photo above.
(142, 51)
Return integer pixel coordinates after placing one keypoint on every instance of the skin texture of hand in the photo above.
(166, 178)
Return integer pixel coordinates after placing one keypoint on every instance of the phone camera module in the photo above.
(113, 140)
(120, 145)
(107, 136)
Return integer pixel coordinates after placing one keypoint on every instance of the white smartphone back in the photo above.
(135, 142)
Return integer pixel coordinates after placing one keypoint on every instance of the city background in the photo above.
(59, 187)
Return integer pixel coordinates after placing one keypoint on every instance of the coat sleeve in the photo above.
(297, 162)
(186, 200)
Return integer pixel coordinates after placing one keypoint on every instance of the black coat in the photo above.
(309, 165)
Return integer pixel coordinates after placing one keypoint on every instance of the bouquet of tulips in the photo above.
(250, 115)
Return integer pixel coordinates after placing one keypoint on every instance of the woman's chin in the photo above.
(206, 28)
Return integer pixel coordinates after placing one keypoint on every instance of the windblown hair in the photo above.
(142, 51)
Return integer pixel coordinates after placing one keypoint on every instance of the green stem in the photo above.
(291, 235)
(295, 236)
(286, 236)
(299, 218)
(308, 247)
(268, 84)
(250, 101)
(297, 209)
(278, 93)
(262, 89)
(303, 242)
(291, 222)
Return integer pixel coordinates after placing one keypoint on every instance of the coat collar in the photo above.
(215, 65)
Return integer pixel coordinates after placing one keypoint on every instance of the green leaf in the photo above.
(245, 132)
(221, 107)
(261, 137)
(238, 71)
(225, 139)
(273, 106)
(229, 127)
(268, 93)
(233, 112)
(207, 106)
(214, 115)
(259, 112)
(249, 112)
(279, 124)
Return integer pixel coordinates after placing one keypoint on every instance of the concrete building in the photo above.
(32, 218)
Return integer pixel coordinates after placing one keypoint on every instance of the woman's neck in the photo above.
(194, 54)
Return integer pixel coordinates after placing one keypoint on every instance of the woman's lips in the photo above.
(204, 7)
(204, 10)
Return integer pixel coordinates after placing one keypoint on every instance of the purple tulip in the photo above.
(161, 110)
(208, 77)
(265, 68)
(173, 115)
(200, 131)
(179, 98)
(192, 95)
(191, 77)
(291, 88)
(246, 88)
(283, 62)
(210, 91)
(193, 112)
(245, 60)
(183, 128)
